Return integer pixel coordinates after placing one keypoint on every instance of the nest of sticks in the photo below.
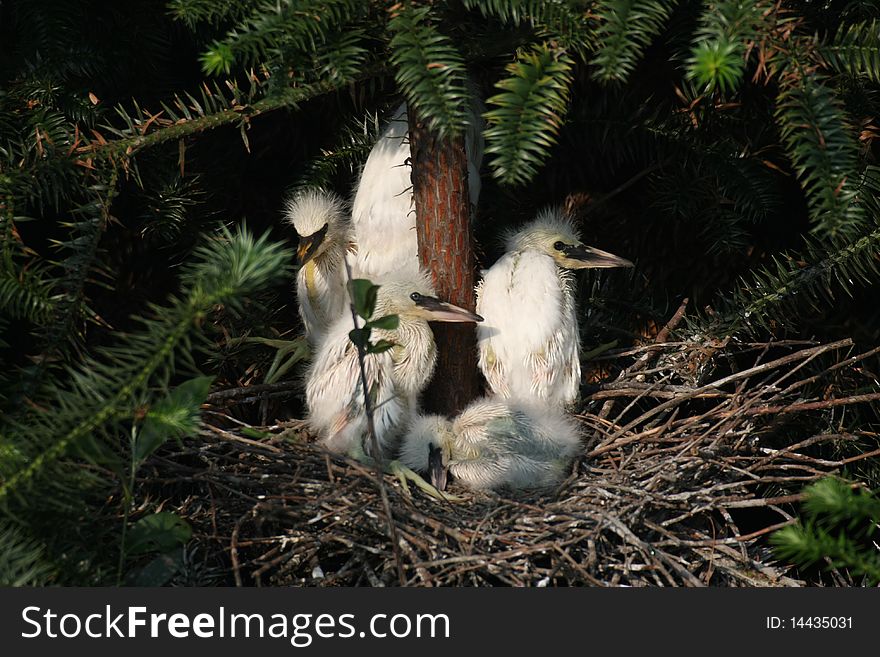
(696, 452)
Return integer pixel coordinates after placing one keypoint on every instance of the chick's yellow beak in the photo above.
(309, 245)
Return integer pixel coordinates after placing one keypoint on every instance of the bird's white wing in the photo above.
(557, 367)
(382, 210)
(383, 215)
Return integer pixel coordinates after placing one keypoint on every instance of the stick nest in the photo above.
(695, 452)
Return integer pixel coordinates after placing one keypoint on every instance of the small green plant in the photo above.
(363, 299)
(839, 527)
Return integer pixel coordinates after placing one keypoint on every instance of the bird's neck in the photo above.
(310, 269)
(326, 265)
(331, 257)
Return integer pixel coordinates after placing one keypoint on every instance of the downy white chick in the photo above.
(494, 443)
(529, 343)
(334, 394)
(325, 236)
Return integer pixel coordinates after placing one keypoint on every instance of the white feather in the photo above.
(382, 211)
(497, 443)
(528, 342)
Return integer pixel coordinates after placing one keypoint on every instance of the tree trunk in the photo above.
(443, 225)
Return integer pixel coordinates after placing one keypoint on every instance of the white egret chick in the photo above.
(382, 211)
(529, 343)
(325, 236)
(494, 443)
(334, 394)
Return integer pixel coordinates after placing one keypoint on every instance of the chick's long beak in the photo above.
(589, 258)
(436, 468)
(309, 244)
(440, 311)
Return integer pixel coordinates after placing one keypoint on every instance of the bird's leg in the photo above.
(598, 351)
(404, 474)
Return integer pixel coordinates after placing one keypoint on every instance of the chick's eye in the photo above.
(415, 296)
(559, 246)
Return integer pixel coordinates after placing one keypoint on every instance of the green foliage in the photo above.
(823, 150)
(854, 50)
(626, 29)
(159, 532)
(363, 295)
(344, 156)
(518, 12)
(528, 113)
(25, 291)
(287, 354)
(569, 22)
(176, 415)
(795, 283)
(107, 390)
(279, 30)
(160, 535)
(717, 65)
(22, 559)
(429, 70)
(194, 12)
(727, 31)
(838, 530)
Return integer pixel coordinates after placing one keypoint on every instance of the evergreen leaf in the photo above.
(854, 50)
(820, 142)
(626, 29)
(527, 115)
(158, 532)
(388, 322)
(429, 70)
(363, 296)
(728, 30)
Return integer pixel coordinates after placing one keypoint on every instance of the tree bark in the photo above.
(443, 225)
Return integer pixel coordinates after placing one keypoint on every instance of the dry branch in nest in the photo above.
(694, 454)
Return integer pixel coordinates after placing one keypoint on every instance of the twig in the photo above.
(624, 186)
(374, 441)
(258, 389)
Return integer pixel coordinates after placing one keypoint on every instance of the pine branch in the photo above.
(626, 28)
(429, 70)
(341, 57)
(854, 50)
(728, 30)
(777, 294)
(143, 130)
(105, 389)
(212, 12)
(85, 230)
(568, 22)
(22, 559)
(25, 281)
(528, 113)
(838, 532)
(277, 28)
(344, 157)
(822, 148)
